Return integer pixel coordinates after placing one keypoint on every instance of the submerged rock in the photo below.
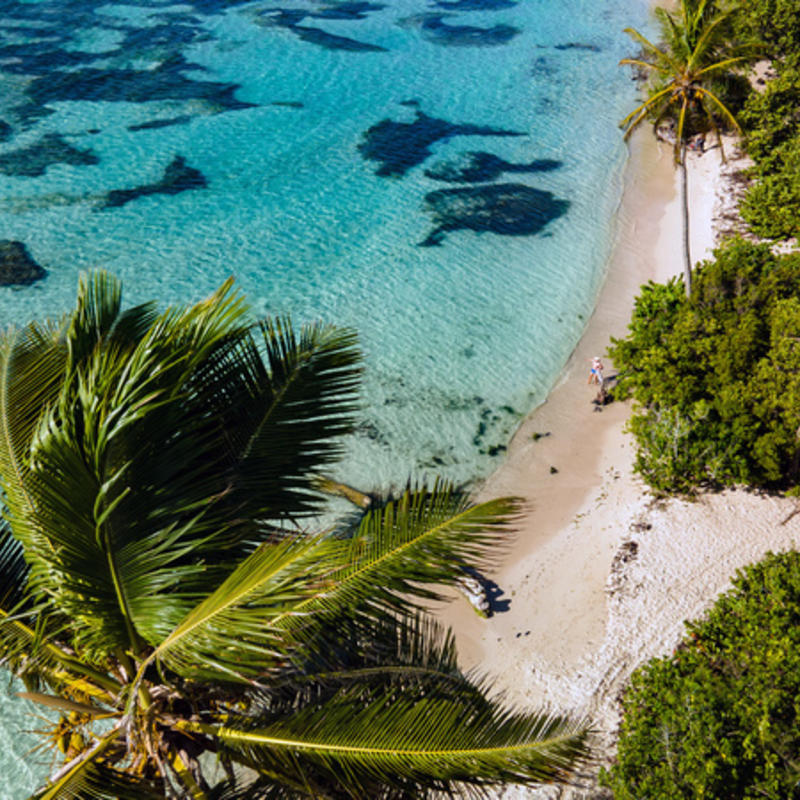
(17, 268)
(480, 167)
(435, 30)
(33, 160)
(178, 177)
(509, 209)
(399, 146)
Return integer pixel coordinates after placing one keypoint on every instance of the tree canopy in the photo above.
(716, 377)
(719, 718)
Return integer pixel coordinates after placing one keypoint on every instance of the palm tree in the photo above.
(161, 592)
(698, 53)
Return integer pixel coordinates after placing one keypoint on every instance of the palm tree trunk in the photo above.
(687, 258)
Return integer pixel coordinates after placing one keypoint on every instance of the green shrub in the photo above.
(716, 378)
(720, 718)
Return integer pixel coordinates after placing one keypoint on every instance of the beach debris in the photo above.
(536, 435)
(553, 470)
(17, 267)
(473, 589)
(616, 577)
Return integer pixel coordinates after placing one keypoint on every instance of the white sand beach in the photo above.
(601, 577)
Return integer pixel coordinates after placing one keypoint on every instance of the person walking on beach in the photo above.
(596, 372)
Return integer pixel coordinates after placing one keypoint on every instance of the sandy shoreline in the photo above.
(600, 579)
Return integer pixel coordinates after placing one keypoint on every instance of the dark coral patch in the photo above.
(166, 82)
(399, 146)
(435, 30)
(331, 42)
(17, 268)
(475, 5)
(6, 131)
(161, 123)
(508, 209)
(178, 177)
(592, 48)
(480, 167)
(290, 18)
(33, 160)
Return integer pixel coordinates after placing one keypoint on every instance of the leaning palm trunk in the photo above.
(687, 257)
(697, 52)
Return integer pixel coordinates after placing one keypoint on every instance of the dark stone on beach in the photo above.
(508, 209)
(399, 146)
(33, 160)
(592, 48)
(475, 5)
(435, 30)
(17, 268)
(480, 167)
(161, 123)
(178, 177)
(6, 131)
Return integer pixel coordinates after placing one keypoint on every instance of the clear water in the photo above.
(277, 108)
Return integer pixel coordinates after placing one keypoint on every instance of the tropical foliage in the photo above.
(161, 593)
(772, 121)
(720, 717)
(716, 377)
(689, 77)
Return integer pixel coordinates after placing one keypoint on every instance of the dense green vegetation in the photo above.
(771, 118)
(157, 572)
(717, 376)
(719, 719)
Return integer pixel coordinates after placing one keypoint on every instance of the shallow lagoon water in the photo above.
(441, 176)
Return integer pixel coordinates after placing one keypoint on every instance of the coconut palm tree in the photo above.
(698, 54)
(162, 592)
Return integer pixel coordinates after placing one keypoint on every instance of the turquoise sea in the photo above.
(440, 175)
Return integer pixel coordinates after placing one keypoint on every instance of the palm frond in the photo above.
(229, 634)
(407, 740)
(658, 53)
(399, 550)
(13, 569)
(298, 416)
(32, 365)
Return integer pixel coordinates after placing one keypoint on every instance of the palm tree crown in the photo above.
(158, 472)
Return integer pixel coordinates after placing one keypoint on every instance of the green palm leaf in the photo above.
(410, 738)
(424, 537)
(229, 634)
(32, 364)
